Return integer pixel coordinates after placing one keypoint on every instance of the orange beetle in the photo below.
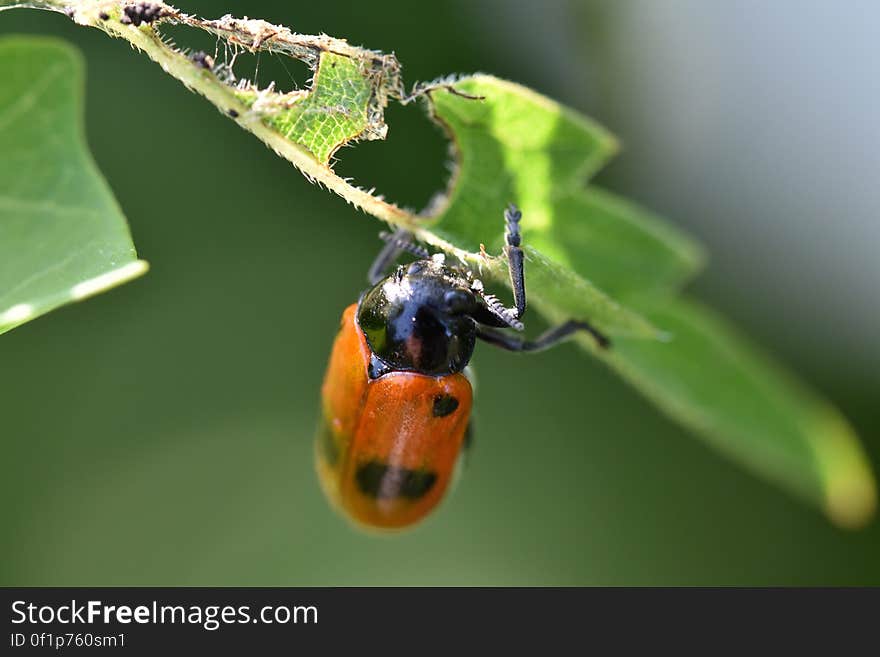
(396, 401)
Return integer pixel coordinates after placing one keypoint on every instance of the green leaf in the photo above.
(710, 379)
(514, 145)
(518, 146)
(559, 294)
(334, 113)
(62, 235)
(589, 254)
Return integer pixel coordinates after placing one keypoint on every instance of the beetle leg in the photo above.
(383, 260)
(509, 317)
(395, 243)
(546, 340)
(514, 252)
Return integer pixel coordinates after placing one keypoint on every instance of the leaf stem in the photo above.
(107, 15)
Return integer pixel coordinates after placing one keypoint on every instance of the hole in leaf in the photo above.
(409, 167)
(266, 67)
(260, 68)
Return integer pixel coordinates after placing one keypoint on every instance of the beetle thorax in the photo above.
(417, 319)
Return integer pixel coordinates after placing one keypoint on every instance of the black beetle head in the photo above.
(421, 318)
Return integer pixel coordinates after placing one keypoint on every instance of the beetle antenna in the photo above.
(404, 242)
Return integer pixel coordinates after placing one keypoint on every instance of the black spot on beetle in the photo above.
(383, 481)
(233, 113)
(104, 16)
(444, 405)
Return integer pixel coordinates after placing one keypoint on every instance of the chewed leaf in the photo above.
(62, 235)
(712, 381)
(517, 146)
(334, 113)
(513, 145)
(589, 254)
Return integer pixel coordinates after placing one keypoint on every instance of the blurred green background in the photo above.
(161, 434)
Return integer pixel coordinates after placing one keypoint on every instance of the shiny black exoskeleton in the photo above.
(426, 316)
(423, 318)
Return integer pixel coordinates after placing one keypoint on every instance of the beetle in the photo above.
(396, 399)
